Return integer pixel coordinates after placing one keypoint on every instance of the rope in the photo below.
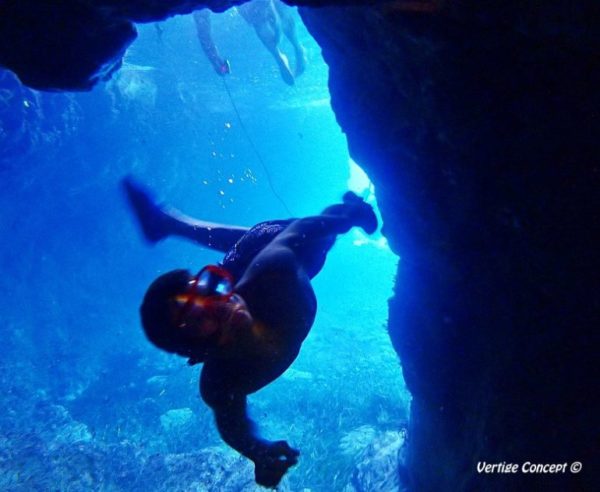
(255, 149)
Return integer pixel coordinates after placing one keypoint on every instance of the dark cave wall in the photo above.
(478, 126)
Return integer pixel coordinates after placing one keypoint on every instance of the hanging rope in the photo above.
(255, 149)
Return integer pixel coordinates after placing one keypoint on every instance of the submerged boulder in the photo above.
(29, 462)
(380, 457)
(208, 470)
(476, 124)
(43, 448)
(177, 419)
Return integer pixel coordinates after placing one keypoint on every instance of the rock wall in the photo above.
(476, 124)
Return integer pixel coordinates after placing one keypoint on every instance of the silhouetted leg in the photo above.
(262, 16)
(159, 222)
(204, 31)
(311, 238)
(288, 25)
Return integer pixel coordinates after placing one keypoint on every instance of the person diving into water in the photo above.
(245, 319)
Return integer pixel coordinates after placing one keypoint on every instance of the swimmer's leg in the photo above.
(336, 219)
(265, 20)
(288, 25)
(204, 31)
(311, 238)
(159, 222)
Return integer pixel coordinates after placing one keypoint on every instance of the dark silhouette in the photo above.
(246, 318)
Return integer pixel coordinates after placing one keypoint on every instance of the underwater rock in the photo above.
(45, 449)
(75, 432)
(176, 419)
(158, 382)
(380, 462)
(55, 426)
(207, 470)
(356, 441)
(476, 126)
(134, 85)
(33, 465)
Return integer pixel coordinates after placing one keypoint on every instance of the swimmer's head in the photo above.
(191, 315)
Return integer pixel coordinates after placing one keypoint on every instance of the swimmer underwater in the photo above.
(246, 318)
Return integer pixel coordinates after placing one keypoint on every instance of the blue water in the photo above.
(88, 403)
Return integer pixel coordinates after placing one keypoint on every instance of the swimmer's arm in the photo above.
(271, 459)
(236, 428)
(230, 409)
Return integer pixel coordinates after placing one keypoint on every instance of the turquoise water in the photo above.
(88, 401)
